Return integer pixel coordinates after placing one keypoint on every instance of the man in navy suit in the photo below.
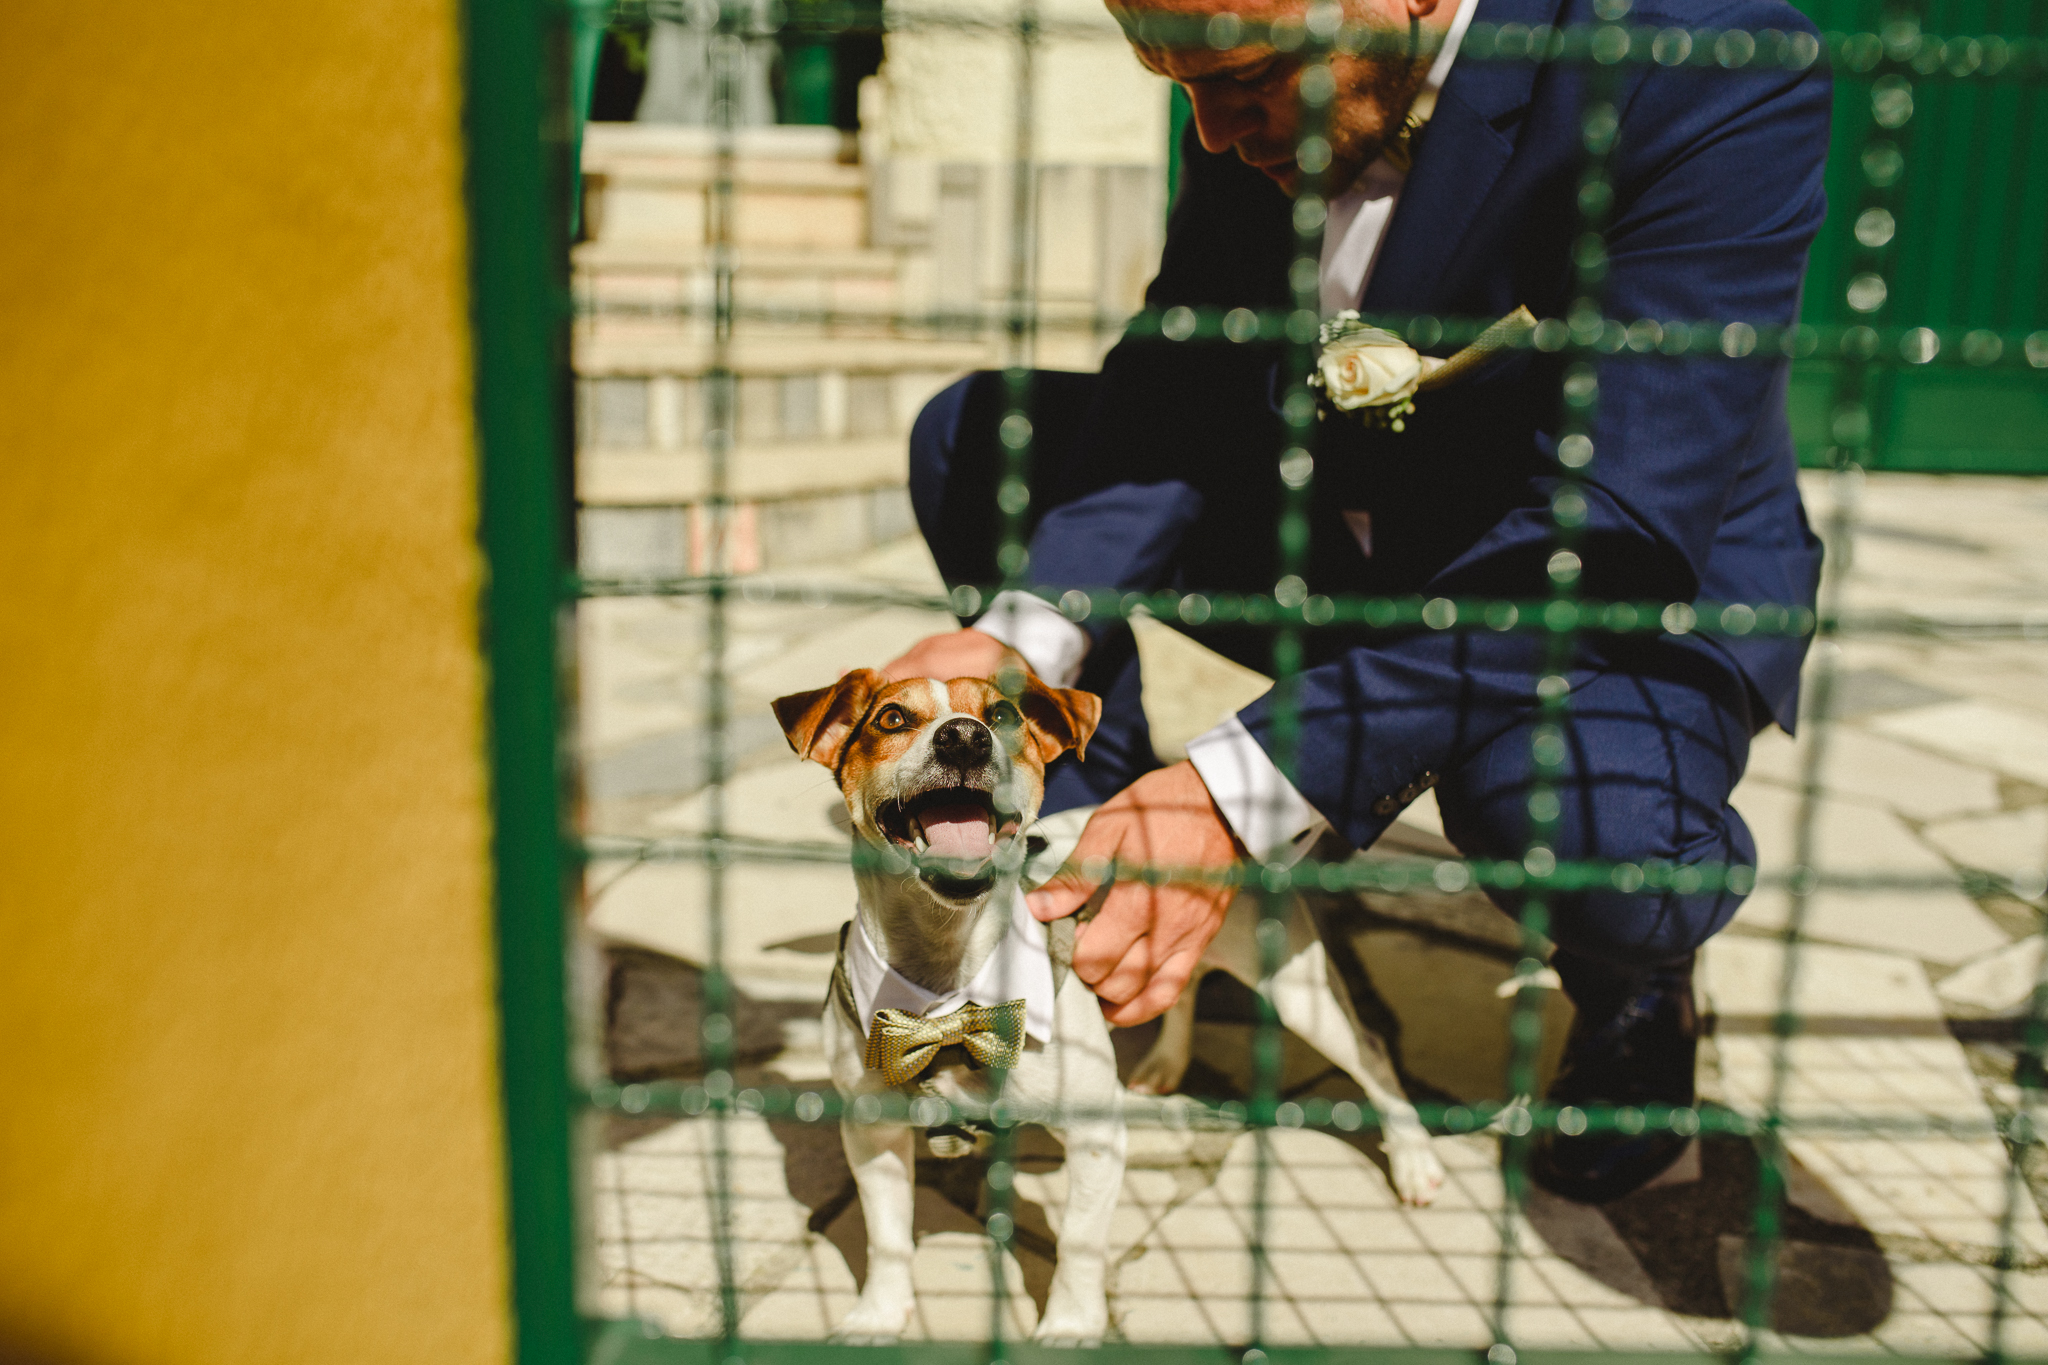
(1161, 472)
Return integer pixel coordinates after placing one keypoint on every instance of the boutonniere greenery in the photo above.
(1371, 372)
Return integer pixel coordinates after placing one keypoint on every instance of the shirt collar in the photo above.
(1351, 234)
(1019, 968)
(1454, 37)
(1380, 178)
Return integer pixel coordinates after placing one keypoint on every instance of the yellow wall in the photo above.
(247, 1087)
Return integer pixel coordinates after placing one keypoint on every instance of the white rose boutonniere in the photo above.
(1371, 372)
(1368, 368)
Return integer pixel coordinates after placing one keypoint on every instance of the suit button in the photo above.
(1390, 805)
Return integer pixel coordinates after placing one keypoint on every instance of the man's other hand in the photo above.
(1139, 951)
(956, 654)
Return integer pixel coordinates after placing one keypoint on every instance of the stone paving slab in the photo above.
(1989, 734)
(1931, 764)
(1859, 1055)
(1997, 983)
(1873, 770)
(1348, 1267)
(1351, 1265)
(2008, 842)
(662, 906)
(2005, 672)
(1935, 924)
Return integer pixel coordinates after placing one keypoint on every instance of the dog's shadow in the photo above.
(952, 1196)
(652, 1007)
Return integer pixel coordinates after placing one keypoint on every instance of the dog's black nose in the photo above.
(962, 743)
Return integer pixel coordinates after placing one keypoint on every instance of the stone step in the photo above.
(762, 350)
(618, 350)
(665, 411)
(605, 258)
(629, 210)
(669, 286)
(700, 173)
(606, 143)
(761, 533)
(649, 183)
(625, 478)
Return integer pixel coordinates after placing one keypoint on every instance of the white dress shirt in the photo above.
(1270, 818)
(1019, 968)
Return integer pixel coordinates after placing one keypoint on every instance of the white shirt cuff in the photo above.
(1271, 819)
(1049, 642)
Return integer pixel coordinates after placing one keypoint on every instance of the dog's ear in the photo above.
(818, 724)
(1058, 718)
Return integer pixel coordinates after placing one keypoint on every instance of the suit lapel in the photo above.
(1461, 155)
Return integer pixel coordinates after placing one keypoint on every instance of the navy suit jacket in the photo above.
(1717, 195)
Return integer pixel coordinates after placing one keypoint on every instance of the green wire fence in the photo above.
(1896, 334)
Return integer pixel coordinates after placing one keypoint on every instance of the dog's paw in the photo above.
(873, 1323)
(1414, 1170)
(949, 1142)
(1158, 1075)
(949, 1145)
(841, 1337)
(1070, 1327)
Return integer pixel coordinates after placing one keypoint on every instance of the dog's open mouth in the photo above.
(953, 833)
(950, 822)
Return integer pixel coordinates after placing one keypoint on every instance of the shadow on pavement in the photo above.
(1422, 972)
(1678, 1245)
(1683, 1244)
(653, 1004)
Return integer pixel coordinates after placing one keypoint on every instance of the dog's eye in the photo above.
(891, 718)
(1003, 715)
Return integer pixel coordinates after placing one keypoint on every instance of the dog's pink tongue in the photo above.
(959, 831)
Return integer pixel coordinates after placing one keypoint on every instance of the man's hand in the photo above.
(1139, 951)
(956, 654)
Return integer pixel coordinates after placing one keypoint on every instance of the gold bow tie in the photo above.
(902, 1045)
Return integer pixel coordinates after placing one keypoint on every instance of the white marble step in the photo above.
(618, 351)
(656, 423)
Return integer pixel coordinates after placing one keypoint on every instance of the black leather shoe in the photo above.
(1634, 1044)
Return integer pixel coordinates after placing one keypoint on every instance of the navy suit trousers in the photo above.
(1655, 739)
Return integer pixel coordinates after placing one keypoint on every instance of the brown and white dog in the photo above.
(941, 780)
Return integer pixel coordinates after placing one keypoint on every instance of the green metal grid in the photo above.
(517, 58)
(515, 68)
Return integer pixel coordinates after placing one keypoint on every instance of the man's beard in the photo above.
(1385, 86)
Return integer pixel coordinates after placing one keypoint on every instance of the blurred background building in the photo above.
(875, 177)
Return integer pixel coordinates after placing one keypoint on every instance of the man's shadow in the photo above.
(1423, 971)
(1683, 1244)
(1679, 1244)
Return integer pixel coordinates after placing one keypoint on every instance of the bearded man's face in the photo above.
(1248, 99)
